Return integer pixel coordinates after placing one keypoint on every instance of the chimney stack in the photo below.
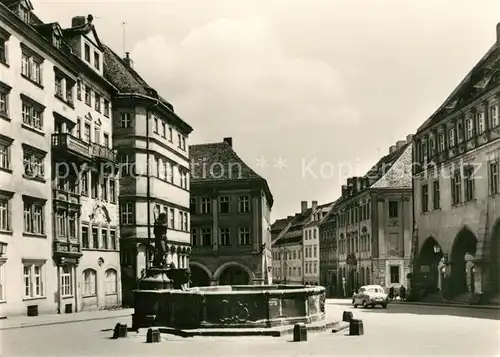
(498, 33)
(392, 149)
(78, 21)
(409, 138)
(128, 60)
(400, 144)
(314, 204)
(229, 141)
(303, 206)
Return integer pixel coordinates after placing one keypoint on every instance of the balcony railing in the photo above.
(103, 153)
(69, 143)
(67, 248)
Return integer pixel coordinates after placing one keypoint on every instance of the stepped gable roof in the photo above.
(126, 79)
(218, 162)
(483, 77)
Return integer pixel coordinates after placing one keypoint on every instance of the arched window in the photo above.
(89, 282)
(111, 281)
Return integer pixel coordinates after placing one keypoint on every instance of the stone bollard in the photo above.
(347, 316)
(120, 331)
(356, 328)
(153, 335)
(299, 333)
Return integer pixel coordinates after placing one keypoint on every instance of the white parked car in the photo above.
(369, 296)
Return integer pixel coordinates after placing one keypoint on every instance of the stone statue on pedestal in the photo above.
(160, 230)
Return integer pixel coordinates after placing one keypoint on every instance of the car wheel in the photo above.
(365, 305)
(355, 305)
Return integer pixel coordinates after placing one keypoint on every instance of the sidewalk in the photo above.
(486, 307)
(52, 319)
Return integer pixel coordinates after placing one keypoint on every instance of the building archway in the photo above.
(200, 275)
(428, 260)
(462, 274)
(495, 259)
(233, 274)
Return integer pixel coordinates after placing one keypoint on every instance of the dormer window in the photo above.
(87, 52)
(24, 14)
(97, 60)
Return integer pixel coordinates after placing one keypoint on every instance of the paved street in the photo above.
(401, 330)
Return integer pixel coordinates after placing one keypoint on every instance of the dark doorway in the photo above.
(495, 259)
(199, 276)
(465, 243)
(234, 275)
(428, 261)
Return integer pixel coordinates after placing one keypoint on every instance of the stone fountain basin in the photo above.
(240, 306)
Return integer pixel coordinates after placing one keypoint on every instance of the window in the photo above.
(460, 132)
(5, 146)
(224, 237)
(33, 280)
(494, 116)
(186, 222)
(97, 61)
(432, 145)
(32, 115)
(194, 238)
(205, 205)
(34, 221)
(244, 235)
(85, 237)
(206, 237)
(79, 89)
(168, 171)
(112, 190)
(127, 164)
(181, 219)
(244, 204)
(394, 274)
(155, 125)
(86, 133)
(183, 146)
(393, 209)
(179, 141)
(469, 183)
(87, 52)
(470, 129)
(31, 67)
(112, 239)
(3, 50)
(66, 281)
(425, 198)
(95, 238)
(5, 213)
(106, 108)
(224, 204)
(97, 102)
(163, 129)
(94, 184)
(4, 100)
(111, 282)
(127, 213)
(436, 195)
(480, 123)
(84, 183)
(315, 251)
(106, 140)
(125, 120)
(89, 282)
(2, 282)
(156, 167)
(61, 223)
(105, 239)
(456, 188)
(494, 184)
(451, 137)
(170, 134)
(441, 142)
(184, 179)
(192, 205)
(34, 163)
(88, 99)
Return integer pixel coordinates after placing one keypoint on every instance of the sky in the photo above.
(311, 91)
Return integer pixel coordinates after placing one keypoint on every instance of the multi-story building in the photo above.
(66, 244)
(230, 219)
(288, 262)
(327, 228)
(153, 154)
(456, 189)
(375, 223)
(311, 243)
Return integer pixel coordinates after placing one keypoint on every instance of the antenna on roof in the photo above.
(123, 34)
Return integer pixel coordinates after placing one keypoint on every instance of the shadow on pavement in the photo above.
(477, 313)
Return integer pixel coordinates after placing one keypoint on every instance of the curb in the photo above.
(483, 307)
(35, 324)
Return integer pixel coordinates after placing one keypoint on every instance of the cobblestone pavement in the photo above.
(399, 330)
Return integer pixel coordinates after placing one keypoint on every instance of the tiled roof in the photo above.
(399, 175)
(484, 76)
(218, 162)
(291, 240)
(295, 229)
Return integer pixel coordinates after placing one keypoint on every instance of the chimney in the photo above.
(400, 144)
(344, 190)
(289, 217)
(303, 206)
(358, 184)
(392, 149)
(128, 60)
(78, 21)
(229, 141)
(409, 138)
(498, 33)
(314, 204)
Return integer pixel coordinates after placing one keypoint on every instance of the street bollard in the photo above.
(347, 316)
(153, 335)
(299, 333)
(356, 327)
(120, 331)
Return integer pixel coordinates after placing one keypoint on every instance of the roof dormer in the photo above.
(23, 9)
